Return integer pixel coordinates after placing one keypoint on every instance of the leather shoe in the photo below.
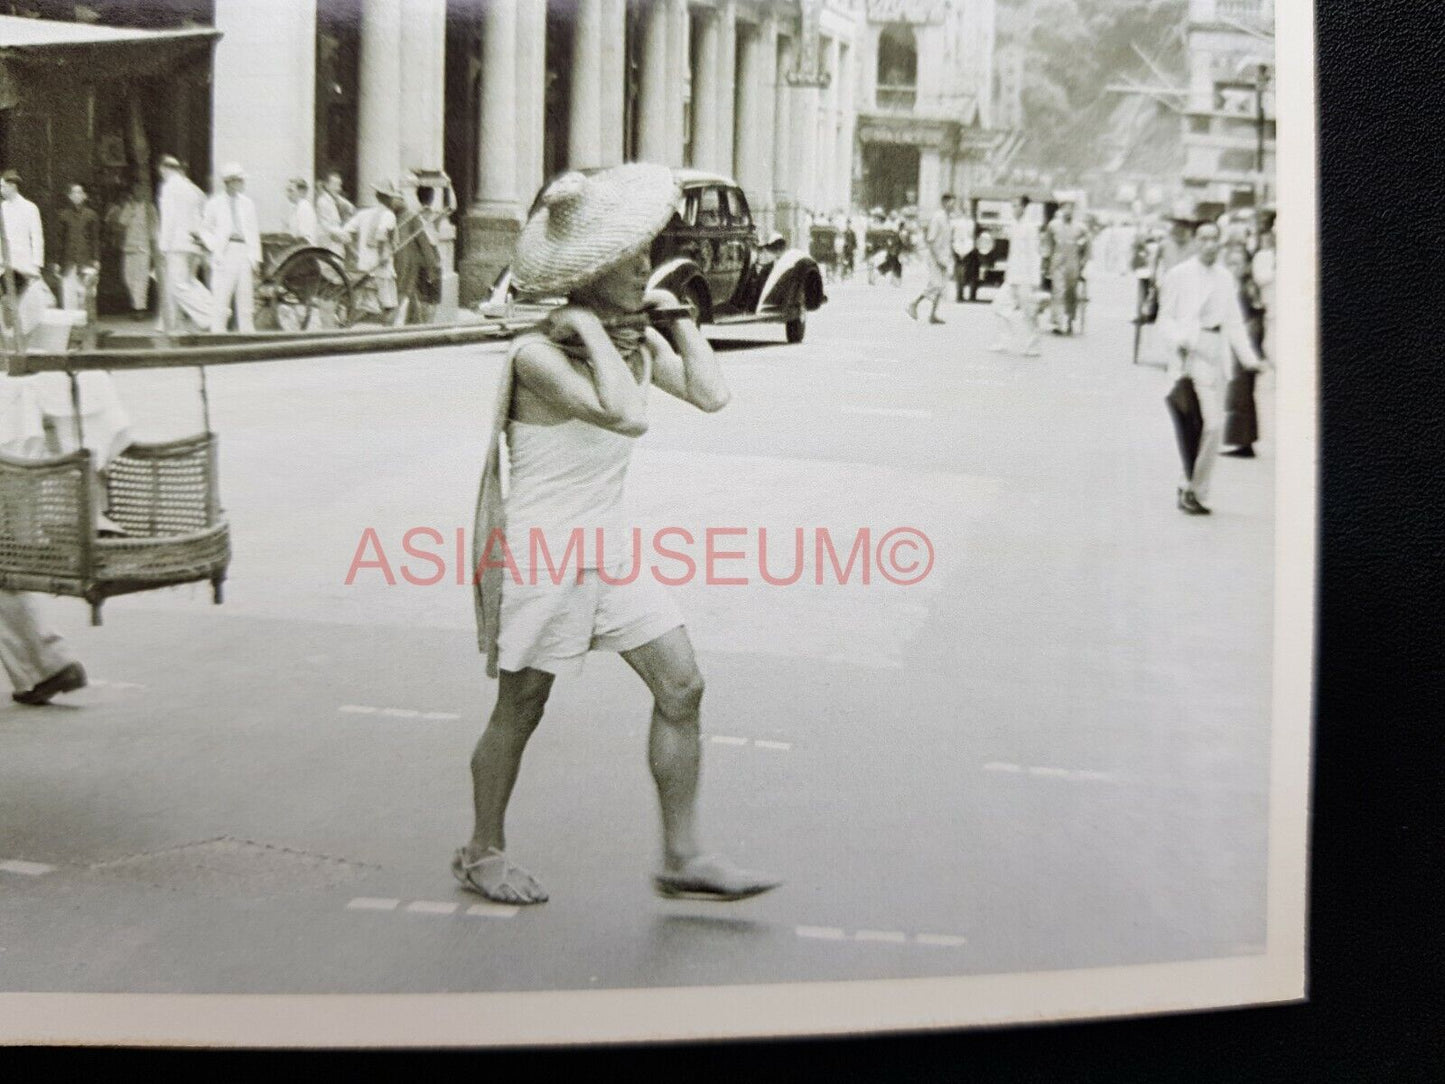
(66, 680)
(1244, 451)
(1189, 503)
(936, 320)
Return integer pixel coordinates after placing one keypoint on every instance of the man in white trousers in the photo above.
(234, 240)
(1200, 318)
(34, 656)
(180, 204)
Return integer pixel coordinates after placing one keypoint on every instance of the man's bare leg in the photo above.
(674, 753)
(521, 699)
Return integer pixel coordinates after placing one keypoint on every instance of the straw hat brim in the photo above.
(587, 224)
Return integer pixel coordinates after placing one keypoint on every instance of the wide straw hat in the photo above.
(388, 188)
(232, 171)
(589, 223)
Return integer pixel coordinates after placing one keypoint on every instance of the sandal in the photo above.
(514, 886)
(712, 878)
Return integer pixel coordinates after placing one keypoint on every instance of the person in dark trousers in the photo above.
(79, 250)
(415, 258)
(1241, 420)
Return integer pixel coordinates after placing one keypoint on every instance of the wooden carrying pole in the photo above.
(311, 346)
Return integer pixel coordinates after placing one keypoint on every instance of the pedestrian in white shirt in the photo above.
(373, 229)
(333, 212)
(938, 255)
(302, 221)
(234, 240)
(24, 235)
(1016, 304)
(1263, 270)
(965, 266)
(1200, 318)
(181, 205)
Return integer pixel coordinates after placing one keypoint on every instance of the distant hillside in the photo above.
(1074, 53)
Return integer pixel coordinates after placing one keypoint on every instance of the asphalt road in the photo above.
(1052, 752)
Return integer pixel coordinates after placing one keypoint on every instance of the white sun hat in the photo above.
(233, 171)
(589, 223)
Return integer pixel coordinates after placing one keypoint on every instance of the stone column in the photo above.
(531, 98)
(497, 142)
(677, 78)
(848, 85)
(379, 127)
(930, 181)
(652, 126)
(784, 197)
(726, 86)
(706, 94)
(493, 221)
(753, 157)
(613, 80)
(422, 106)
(263, 98)
(584, 132)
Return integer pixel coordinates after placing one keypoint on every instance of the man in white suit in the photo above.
(234, 241)
(1200, 318)
(180, 204)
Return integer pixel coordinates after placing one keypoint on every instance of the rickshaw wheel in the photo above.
(310, 291)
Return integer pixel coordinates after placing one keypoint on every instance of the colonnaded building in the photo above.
(812, 105)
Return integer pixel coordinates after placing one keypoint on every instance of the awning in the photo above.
(97, 52)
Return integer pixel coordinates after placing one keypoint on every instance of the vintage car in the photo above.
(711, 258)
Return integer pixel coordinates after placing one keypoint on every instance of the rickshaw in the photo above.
(307, 287)
(303, 287)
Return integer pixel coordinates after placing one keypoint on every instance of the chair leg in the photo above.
(95, 605)
(216, 592)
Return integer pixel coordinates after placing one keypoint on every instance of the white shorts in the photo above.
(551, 627)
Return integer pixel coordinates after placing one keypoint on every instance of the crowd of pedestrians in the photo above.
(198, 258)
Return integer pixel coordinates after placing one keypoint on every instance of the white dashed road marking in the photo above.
(760, 743)
(25, 869)
(492, 910)
(368, 904)
(1045, 772)
(398, 713)
(431, 907)
(822, 933)
(886, 937)
(889, 412)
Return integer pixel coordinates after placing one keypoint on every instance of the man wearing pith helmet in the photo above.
(571, 403)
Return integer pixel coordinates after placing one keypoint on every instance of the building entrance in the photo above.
(890, 175)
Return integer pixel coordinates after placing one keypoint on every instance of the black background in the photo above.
(1376, 902)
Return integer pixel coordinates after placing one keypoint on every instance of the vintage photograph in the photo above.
(652, 518)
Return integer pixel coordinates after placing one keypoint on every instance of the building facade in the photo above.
(1229, 119)
(925, 100)
(802, 101)
(504, 94)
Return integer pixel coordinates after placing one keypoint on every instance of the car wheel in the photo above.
(797, 327)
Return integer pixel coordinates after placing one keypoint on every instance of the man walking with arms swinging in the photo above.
(938, 254)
